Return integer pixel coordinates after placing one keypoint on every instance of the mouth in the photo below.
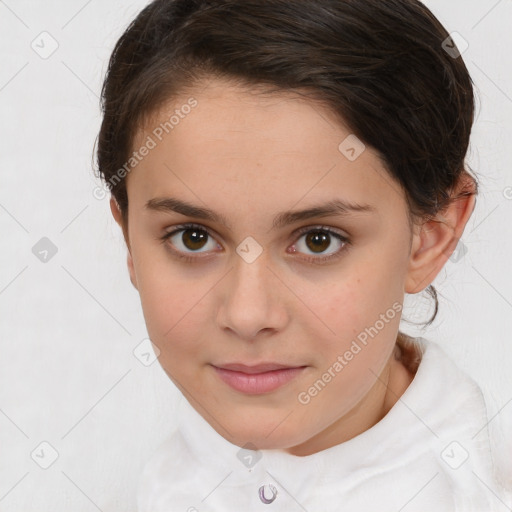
(257, 379)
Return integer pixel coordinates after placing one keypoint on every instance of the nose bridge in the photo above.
(251, 303)
(251, 278)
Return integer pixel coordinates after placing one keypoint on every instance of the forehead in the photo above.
(222, 137)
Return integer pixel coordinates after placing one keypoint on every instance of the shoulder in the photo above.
(452, 404)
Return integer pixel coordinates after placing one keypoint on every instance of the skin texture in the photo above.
(248, 157)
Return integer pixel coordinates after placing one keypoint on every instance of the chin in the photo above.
(264, 434)
(259, 441)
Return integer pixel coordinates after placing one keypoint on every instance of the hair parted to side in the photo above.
(377, 65)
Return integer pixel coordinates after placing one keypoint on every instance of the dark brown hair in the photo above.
(378, 65)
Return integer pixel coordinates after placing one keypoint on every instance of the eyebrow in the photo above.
(336, 207)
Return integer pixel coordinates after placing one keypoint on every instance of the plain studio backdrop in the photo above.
(78, 394)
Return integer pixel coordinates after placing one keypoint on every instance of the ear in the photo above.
(435, 240)
(116, 212)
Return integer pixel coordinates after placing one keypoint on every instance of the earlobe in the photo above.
(435, 242)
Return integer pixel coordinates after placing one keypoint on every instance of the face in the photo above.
(237, 262)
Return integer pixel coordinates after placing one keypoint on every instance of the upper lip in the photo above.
(258, 368)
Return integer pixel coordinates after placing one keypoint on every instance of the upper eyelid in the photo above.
(190, 225)
(299, 231)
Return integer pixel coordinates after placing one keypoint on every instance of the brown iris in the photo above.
(194, 239)
(319, 240)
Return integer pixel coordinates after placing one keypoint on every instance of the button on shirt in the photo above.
(431, 452)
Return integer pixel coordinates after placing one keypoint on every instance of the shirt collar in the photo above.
(417, 421)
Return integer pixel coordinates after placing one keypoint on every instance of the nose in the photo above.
(253, 299)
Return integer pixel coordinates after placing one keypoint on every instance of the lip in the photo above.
(256, 368)
(257, 379)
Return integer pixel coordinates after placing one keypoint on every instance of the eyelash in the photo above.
(298, 233)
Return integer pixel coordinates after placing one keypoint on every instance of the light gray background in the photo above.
(69, 326)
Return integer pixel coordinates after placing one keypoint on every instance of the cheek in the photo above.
(175, 322)
(171, 302)
(379, 281)
(172, 308)
(363, 317)
(347, 303)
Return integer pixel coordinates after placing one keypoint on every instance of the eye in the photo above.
(318, 240)
(189, 237)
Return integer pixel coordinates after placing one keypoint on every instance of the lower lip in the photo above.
(257, 383)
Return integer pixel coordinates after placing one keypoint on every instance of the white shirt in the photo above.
(430, 453)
